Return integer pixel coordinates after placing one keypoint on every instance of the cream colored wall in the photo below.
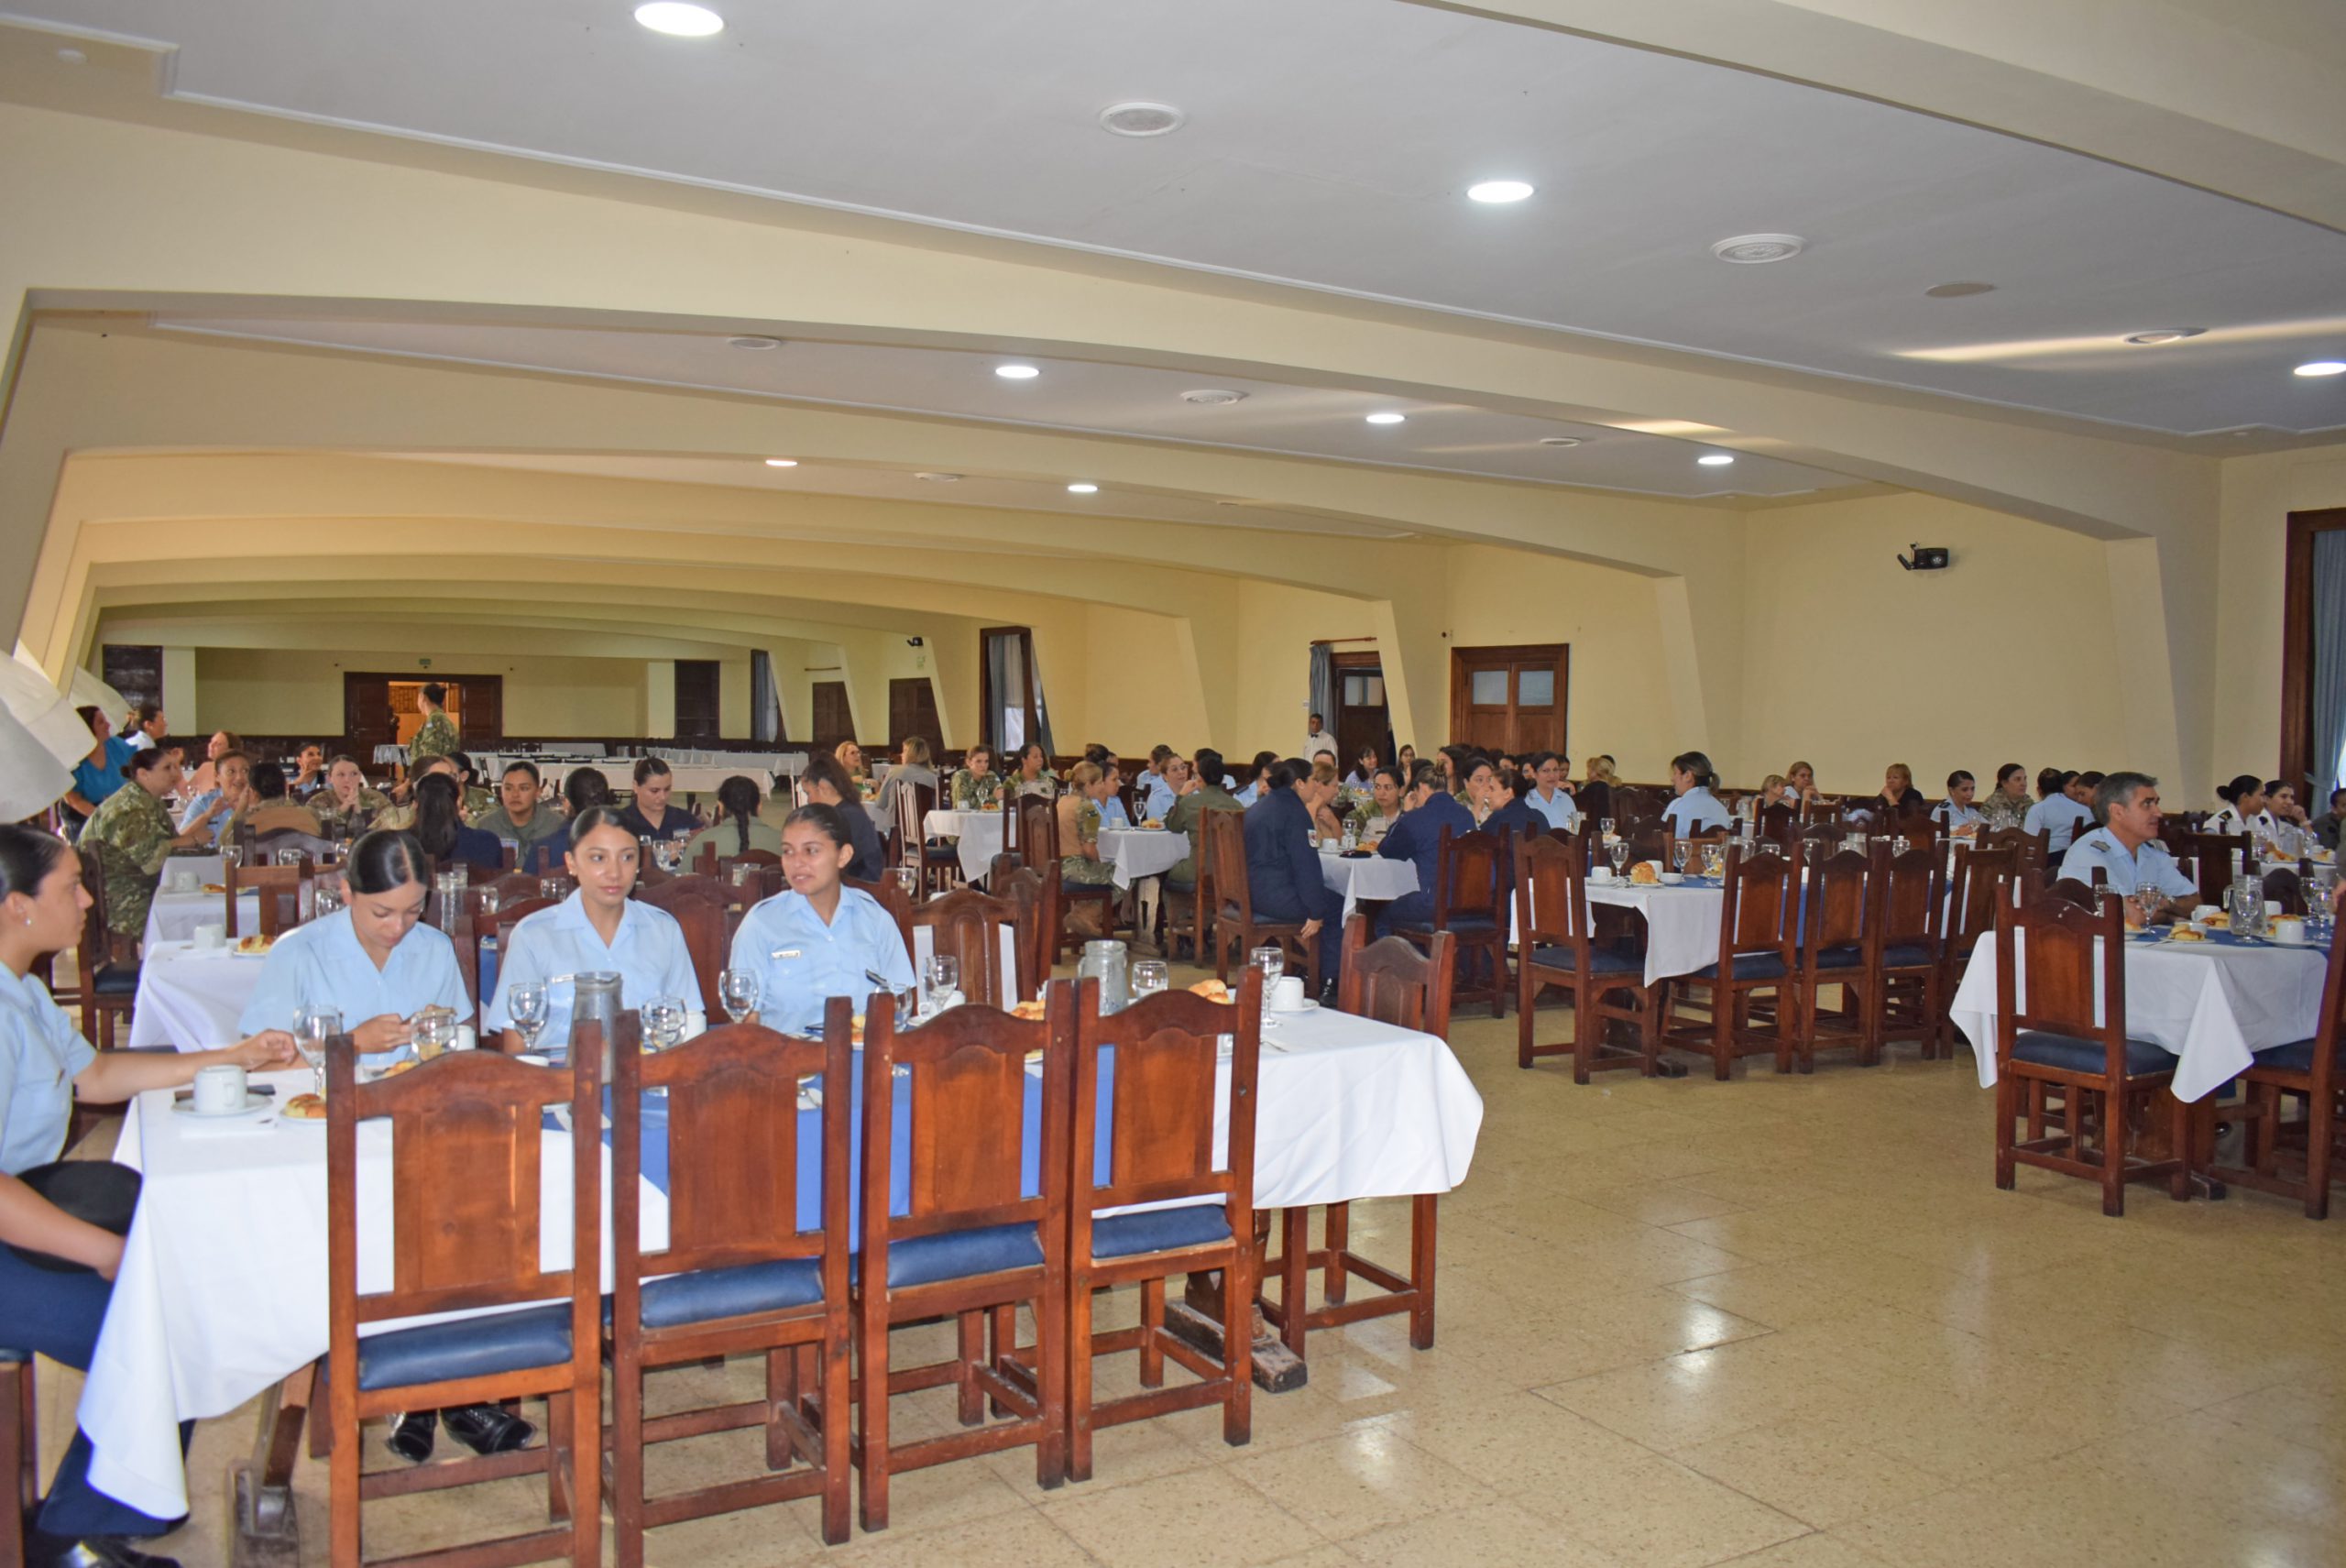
(272, 692)
(1276, 628)
(2259, 494)
(1852, 664)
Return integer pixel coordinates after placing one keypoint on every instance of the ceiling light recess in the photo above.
(935, 478)
(1389, 417)
(1499, 193)
(1715, 459)
(1559, 440)
(782, 462)
(2159, 335)
(1755, 249)
(754, 345)
(1213, 397)
(2323, 368)
(1141, 119)
(1017, 372)
(1082, 489)
(680, 20)
(1958, 291)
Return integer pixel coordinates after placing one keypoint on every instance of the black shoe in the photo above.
(90, 1552)
(487, 1429)
(412, 1433)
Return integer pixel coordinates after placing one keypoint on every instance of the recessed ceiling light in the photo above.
(1752, 249)
(1715, 459)
(1958, 291)
(782, 462)
(678, 19)
(1386, 418)
(1213, 397)
(1140, 119)
(72, 57)
(1017, 372)
(2323, 368)
(754, 344)
(2164, 334)
(1499, 193)
(1559, 440)
(937, 478)
(1080, 489)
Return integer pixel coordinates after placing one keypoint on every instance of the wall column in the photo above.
(179, 695)
(660, 698)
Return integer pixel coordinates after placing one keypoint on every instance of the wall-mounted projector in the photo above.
(1933, 559)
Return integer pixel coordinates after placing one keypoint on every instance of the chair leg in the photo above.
(1425, 1211)
(1079, 1378)
(1152, 1334)
(1051, 1363)
(1724, 1006)
(16, 1440)
(627, 1458)
(971, 1328)
(2178, 1185)
(873, 1415)
(2113, 1149)
(2321, 1131)
(838, 1413)
(343, 1546)
(2007, 1107)
(782, 1394)
(1294, 1274)
(1803, 1011)
(1238, 1347)
(585, 1454)
(1337, 1219)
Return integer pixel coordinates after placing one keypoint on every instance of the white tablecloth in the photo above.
(1682, 923)
(2213, 1007)
(1137, 852)
(208, 1313)
(173, 917)
(1371, 877)
(191, 999)
(980, 833)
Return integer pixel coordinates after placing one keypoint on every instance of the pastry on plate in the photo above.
(305, 1108)
(2189, 934)
(1646, 873)
(1032, 1012)
(1212, 990)
(252, 944)
(215, 887)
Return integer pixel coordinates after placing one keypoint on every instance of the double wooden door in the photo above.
(1510, 699)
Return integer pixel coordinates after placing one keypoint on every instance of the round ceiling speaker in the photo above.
(1141, 119)
(1213, 397)
(1751, 249)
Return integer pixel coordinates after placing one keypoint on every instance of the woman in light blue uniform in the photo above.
(45, 1065)
(597, 928)
(818, 939)
(1696, 810)
(370, 960)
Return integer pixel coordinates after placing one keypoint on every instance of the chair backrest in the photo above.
(1595, 799)
(1838, 890)
(2070, 947)
(97, 943)
(1975, 886)
(260, 849)
(1910, 827)
(275, 887)
(1226, 849)
(735, 1123)
(1912, 905)
(914, 803)
(2217, 859)
(2284, 886)
(964, 1084)
(1465, 878)
(708, 941)
(1038, 839)
(1781, 822)
(1392, 981)
(1551, 893)
(515, 886)
(544, 858)
(1163, 1105)
(672, 891)
(466, 1141)
(2034, 848)
(1648, 838)
(1033, 894)
(981, 931)
(1760, 892)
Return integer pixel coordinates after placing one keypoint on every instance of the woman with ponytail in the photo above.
(737, 829)
(1696, 810)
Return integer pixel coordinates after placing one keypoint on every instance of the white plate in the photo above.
(1308, 1006)
(254, 1103)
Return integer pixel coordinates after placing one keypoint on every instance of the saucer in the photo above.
(253, 1104)
(1308, 1006)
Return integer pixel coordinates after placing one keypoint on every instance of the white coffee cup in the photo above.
(1287, 995)
(2289, 932)
(183, 879)
(696, 1024)
(219, 1090)
(466, 1039)
(211, 935)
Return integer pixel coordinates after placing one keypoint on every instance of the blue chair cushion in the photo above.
(1471, 923)
(2294, 1056)
(1159, 1230)
(1906, 955)
(1601, 961)
(2071, 1054)
(1841, 957)
(470, 1347)
(711, 1293)
(958, 1255)
(117, 979)
(1746, 966)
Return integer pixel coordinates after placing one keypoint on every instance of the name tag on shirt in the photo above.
(787, 953)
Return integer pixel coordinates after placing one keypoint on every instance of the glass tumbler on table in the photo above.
(944, 978)
(552, 887)
(435, 1030)
(663, 1022)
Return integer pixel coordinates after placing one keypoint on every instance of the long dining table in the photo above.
(223, 1289)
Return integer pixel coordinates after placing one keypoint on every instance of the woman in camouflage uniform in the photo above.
(132, 836)
(976, 786)
(347, 801)
(437, 737)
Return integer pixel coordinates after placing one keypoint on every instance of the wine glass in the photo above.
(325, 899)
(1604, 826)
(435, 1029)
(663, 1022)
(488, 899)
(1678, 853)
(2148, 900)
(944, 978)
(907, 881)
(552, 887)
(737, 989)
(231, 854)
(525, 1005)
(313, 1028)
(289, 857)
(1149, 977)
(1272, 961)
(1619, 854)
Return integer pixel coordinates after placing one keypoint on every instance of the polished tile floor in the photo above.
(1780, 1322)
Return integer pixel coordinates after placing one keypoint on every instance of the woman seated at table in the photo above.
(209, 812)
(1326, 820)
(1427, 809)
(1035, 775)
(737, 829)
(1696, 810)
(2243, 809)
(442, 831)
(976, 786)
(2281, 807)
(1546, 791)
(912, 768)
(1258, 778)
(598, 929)
(132, 836)
(1080, 861)
(1477, 778)
(1801, 779)
(819, 937)
(1406, 759)
(1377, 815)
(1963, 819)
(1897, 793)
(850, 756)
(271, 809)
(1774, 790)
(2058, 813)
(2007, 803)
(649, 814)
(824, 783)
(1363, 778)
(45, 1066)
(582, 789)
(347, 801)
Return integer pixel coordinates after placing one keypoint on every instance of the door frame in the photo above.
(1513, 653)
(2297, 646)
(489, 686)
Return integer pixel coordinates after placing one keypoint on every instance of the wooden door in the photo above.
(1362, 717)
(911, 710)
(379, 708)
(834, 721)
(1510, 699)
(697, 699)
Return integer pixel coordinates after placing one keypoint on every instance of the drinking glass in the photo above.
(737, 989)
(312, 1026)
(1149, 977)
(1713, 860)
(552, 887)
(231, 854)
(326, 899)
(669, 853)
(2147, 902)
(1678, 853)
(944, 978)
(1605, 826)
(1619, 854)
(1272, 962)
(488, 899)
(289, 857)
(663, 1022)
(1352, 837)
(436, 1027)
(525, 1005)
(908, 880)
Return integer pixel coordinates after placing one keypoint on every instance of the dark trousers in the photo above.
(1332, 931)
(58, 1316)
(1409, 909)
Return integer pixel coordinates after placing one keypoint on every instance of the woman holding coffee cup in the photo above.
(55, 1270)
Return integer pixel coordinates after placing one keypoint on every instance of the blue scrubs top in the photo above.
(2124, 873)
(1696, 811)
(41, 1053)
(2060, 815)
(1560, 812)
(801, 963)
(648, 955)
(1157, 797)
(321, 965)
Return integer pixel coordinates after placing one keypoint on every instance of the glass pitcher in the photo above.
(1105, 962)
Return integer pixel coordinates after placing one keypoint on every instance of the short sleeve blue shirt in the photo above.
(321, 965)
(801, 963)
(2122, 872)
(552, 946)
(40, 1056)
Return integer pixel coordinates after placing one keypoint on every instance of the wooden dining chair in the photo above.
(1235, 927)
(2033, 850)
(979, 931)
(1038, 849)
(2296, 1158)
(109, 984)
(1755, 957)
(19, 1451)
(1392, 982)
(2216, 859)
(754, 1265)
(709, 943)
(1905, 956)
(939, 865)
(2060, 1041)
(1978, 878)
(1832, 949)
(2285, 886)
(1466, 906)
(1161, 1115)
(277, 890)
(462, 1204)
(1031, 895)
(974, 1245)
(1557, 944)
